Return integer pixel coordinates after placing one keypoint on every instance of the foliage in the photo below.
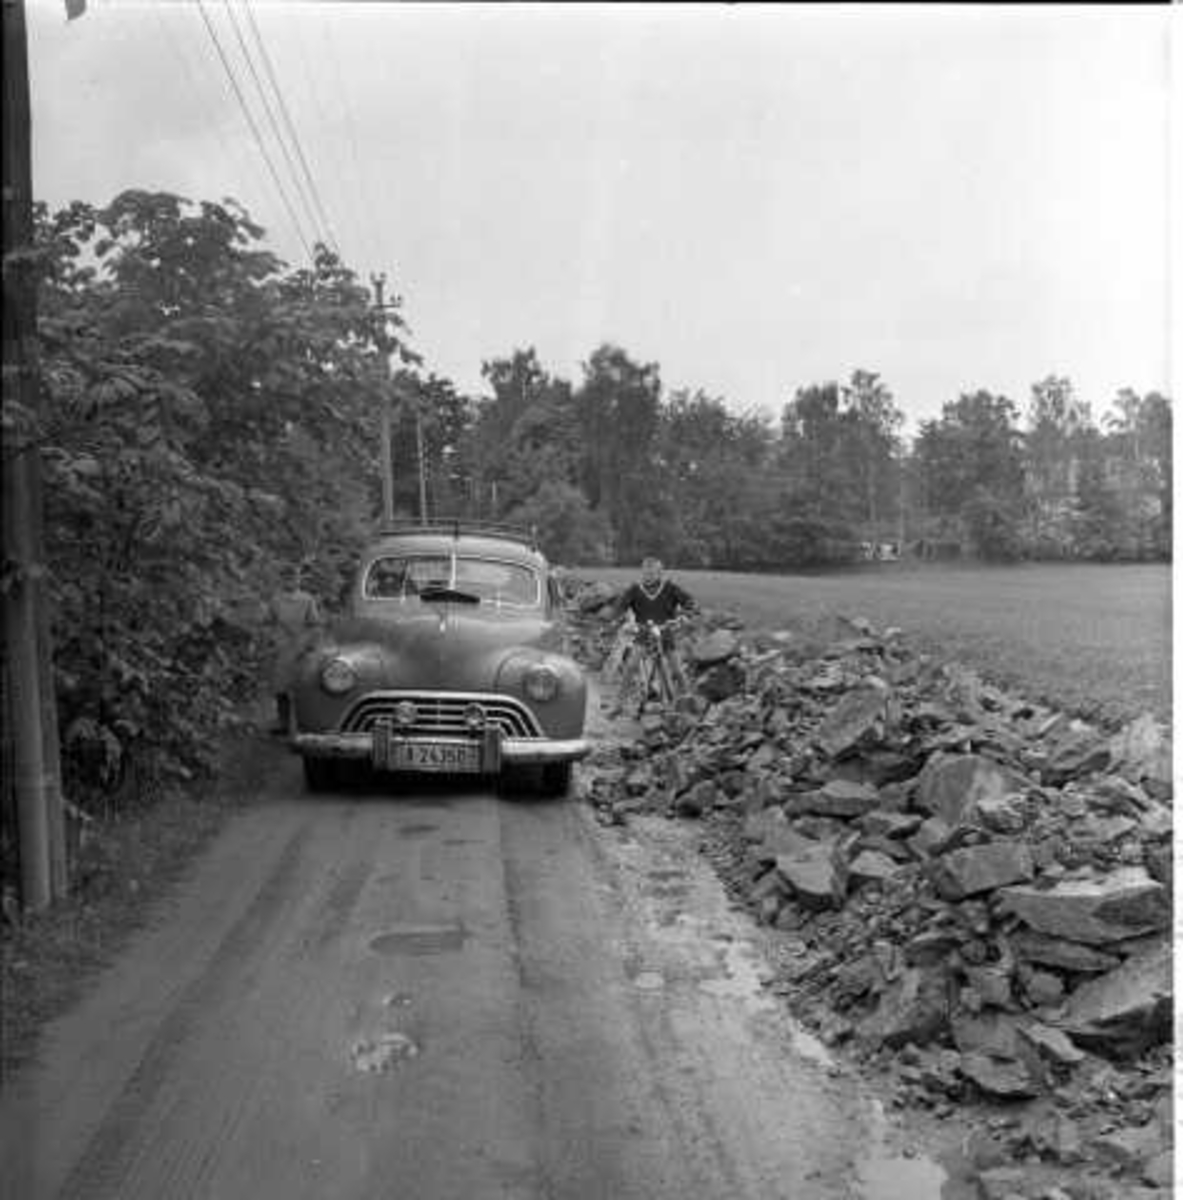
(618, 408)
(1101, 528)
(991, 526)
(569, 531)
(973, 446)
(211, 414)
(839, 450)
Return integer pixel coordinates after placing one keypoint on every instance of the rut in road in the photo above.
(103, 1164)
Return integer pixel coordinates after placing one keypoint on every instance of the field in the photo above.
(1093, 639)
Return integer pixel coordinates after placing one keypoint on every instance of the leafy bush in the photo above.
(210, 414)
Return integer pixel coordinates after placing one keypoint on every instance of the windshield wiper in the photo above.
(439, 592)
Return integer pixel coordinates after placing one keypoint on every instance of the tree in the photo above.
(618, 409)
(974, 445)
(211, 414)
(820, 470)
(525, 435)
(871, 410)
(567, 528)
(1058, 425)
(1139, 437)
(1100, 527)
(716, 470)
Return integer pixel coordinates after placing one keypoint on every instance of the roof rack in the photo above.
(458, 526)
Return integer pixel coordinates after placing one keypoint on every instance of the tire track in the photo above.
(103, 1163)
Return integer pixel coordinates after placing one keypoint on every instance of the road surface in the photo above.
(445, 995)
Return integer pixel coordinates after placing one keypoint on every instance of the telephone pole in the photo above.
(387, 441)
(32, 713)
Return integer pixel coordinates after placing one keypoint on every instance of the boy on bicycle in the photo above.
(659, 601)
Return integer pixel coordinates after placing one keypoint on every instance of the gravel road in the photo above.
(443, 995)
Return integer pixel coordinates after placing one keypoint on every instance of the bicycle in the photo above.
(647, 664)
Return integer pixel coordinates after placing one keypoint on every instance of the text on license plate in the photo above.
(394, 754)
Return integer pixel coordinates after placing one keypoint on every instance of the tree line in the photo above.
(211, 413)
(610, 468)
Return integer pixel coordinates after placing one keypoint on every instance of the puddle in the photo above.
(670, 891)
(742, 977)
(409, 831)
(886, 1175)
(809, 1046)
(419, 939)
(383, 1052)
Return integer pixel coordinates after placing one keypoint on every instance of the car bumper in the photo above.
(512, 751)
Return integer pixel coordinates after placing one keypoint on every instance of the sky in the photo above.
(756, 198)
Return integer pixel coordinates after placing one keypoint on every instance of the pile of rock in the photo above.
(975, 889)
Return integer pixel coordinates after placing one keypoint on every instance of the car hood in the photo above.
(442, 645)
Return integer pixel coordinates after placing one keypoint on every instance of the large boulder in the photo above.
(913, 1009)
(872, 867)
(716, 647)
(859, 716)
(1142, 750)
(721, 681)
(595, 596)
(1123, 904)
(951, 786)
(777, 837)
(1127, 1010)
(837, 798)
(816, 875)
(1006, 1078)
(984, 868)
(1079, 750)
(885, 823)
(1059, 952)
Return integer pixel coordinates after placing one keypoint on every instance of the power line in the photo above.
(294, 177)
(351, 201)
(291, 128)
(375, 226)
(175, 46)
(242, 104)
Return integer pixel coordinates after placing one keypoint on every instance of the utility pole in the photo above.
(422, 463)
(903, 499)
(386, 450)
(27, 652)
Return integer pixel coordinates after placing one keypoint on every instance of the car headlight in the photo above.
(541, 683)
(337, 676)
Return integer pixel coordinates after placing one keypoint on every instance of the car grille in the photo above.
(442, 713)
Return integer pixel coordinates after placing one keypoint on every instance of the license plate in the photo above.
(399, 754)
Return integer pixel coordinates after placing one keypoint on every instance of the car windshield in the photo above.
(495, 581)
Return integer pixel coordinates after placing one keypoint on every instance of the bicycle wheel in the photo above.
(665, 685)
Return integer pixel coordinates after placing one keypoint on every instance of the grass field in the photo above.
(1093, 639)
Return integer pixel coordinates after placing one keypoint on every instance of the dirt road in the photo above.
(440, 996)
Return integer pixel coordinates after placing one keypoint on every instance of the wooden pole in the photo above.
(33, 717)
(386, 436)
(422, 464)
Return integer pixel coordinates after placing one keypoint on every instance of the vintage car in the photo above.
(448, 659)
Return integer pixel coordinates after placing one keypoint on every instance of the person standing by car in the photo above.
(657, 600)
(294, 618)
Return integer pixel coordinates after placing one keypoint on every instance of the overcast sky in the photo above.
(756, 198)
